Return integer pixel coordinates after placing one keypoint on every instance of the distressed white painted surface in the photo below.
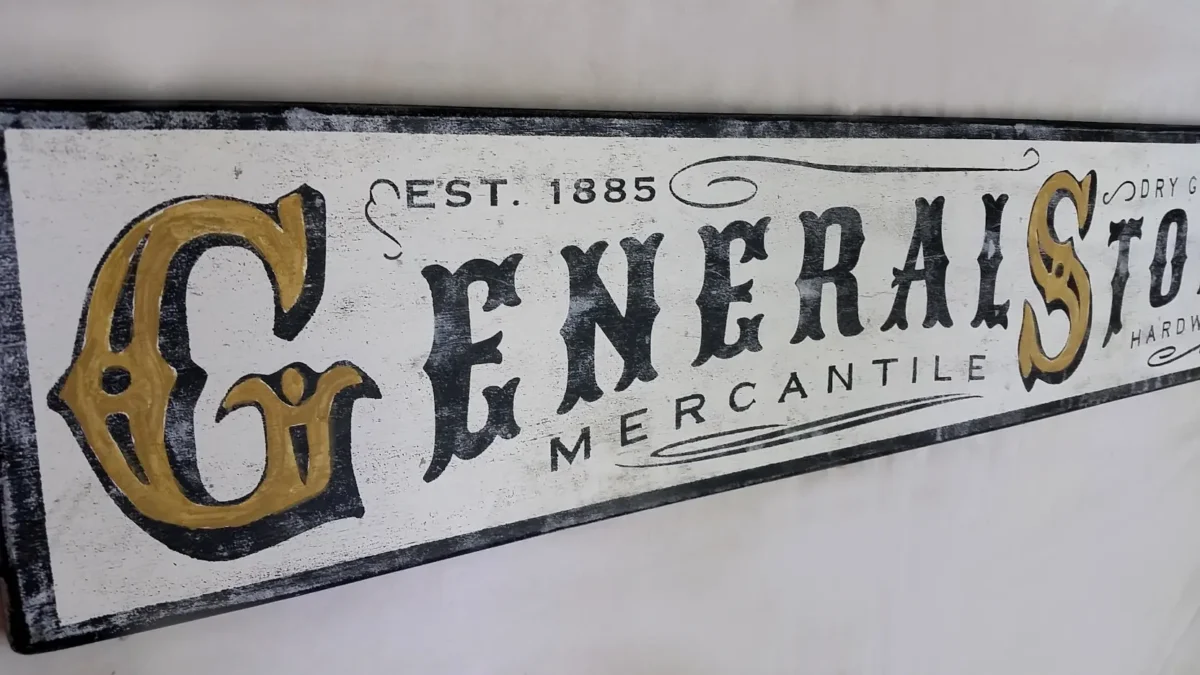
(69, 200)
(1062, 546)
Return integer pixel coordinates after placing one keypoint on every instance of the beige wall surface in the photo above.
(1063, 546)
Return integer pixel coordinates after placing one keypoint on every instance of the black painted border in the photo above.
(24, 556)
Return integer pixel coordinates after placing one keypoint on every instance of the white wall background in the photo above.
(1065, 546)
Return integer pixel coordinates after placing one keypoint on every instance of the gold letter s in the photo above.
(130, 392)
(1060, 277)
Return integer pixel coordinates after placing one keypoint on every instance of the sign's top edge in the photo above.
(107, 115)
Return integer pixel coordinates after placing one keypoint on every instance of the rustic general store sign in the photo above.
(252, 353)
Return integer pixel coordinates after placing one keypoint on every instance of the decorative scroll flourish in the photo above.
(1109, 196)
(839, 168)
(1167, 355)
(367, 214)
(700, 448)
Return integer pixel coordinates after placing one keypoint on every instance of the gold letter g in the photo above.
(130, 393)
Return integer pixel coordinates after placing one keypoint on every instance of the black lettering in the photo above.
(626, 428)
(814, 276)
(1173, 181)
(464, 197)
(694, 411)
(926, 240)
(914, 372)
(793, 386)
(883, 370)
(937, 368)
(1158, 187)
(412, 194)
(557, 448)
(1135, 339)
(733, 404)
(973, 367)
(847, 381)
(987, 311)
(1123, 233)
(591, 306)
(454, 354)
(1145, 188)
(494, 188)
(1178, 218)
(717, 293)
(1166, 329)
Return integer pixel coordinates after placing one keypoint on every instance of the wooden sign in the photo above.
(248, 354)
